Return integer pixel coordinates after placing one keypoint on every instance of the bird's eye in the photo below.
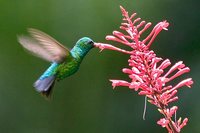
(90, 42)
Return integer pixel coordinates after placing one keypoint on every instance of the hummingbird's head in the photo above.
(85, 43)
(83, 46)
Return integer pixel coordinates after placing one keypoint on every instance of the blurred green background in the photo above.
(85, 102)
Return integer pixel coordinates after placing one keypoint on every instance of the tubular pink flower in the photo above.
(179, 73)
(164, 64)
(102, 46)
(184, 123)
(156, 30)
(163, 122)
(149, 75)
(187, 82)
(119, 83)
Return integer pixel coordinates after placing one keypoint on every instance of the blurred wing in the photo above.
(44, 46)
(32, 46)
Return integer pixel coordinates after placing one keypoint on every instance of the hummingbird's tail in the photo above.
(45, 85)
(46, 82)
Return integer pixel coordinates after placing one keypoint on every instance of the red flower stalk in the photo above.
(150, 75)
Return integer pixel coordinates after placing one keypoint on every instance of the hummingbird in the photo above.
(64, 62)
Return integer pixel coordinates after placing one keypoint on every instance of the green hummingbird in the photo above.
(64, 62)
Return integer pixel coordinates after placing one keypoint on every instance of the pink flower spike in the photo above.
(149, 74)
